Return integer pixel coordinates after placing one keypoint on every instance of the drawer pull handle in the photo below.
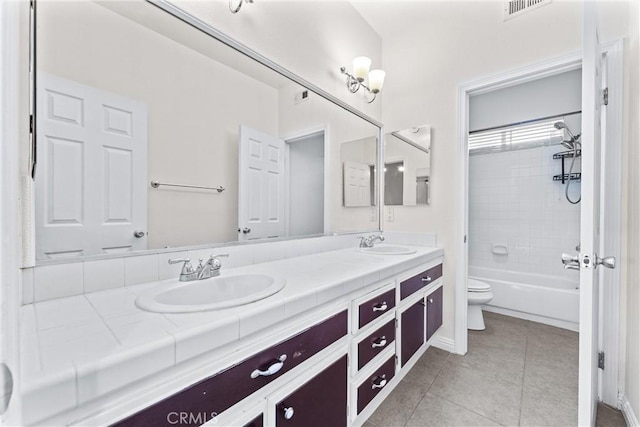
(288, 413)
(380, 307)
(379, 382)
(426, 279)
(272, 369)
(430, 300)
(379, 342)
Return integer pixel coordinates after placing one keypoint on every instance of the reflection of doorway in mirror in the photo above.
(305, 189)
(394, 183)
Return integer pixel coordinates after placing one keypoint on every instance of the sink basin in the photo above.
(388, 250)
(210, 294)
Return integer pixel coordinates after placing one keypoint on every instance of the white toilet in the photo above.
(478, 293)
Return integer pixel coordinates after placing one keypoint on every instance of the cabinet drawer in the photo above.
(376, 382)
(221, 391)
(321, 401)
(434, 312)
(412, 322)
(377, 341)
(419, 281)
(376, 307)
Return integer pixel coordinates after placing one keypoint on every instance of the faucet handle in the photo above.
(187, 268)
(219, 256)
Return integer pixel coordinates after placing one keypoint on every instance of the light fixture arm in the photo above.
(237, 8)
(353, 85)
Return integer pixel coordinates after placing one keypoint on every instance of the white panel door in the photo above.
(357, 184)
(590, 216)
(261, 185)
(91, 193)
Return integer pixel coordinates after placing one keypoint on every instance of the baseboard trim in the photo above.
(446, 344)
(627, 411)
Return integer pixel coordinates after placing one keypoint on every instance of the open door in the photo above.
(261, 185)
(590, 256)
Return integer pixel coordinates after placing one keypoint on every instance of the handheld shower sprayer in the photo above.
(573, 144)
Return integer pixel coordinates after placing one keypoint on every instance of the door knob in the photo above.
(246, 230)
(139, 233)
(569, 259)
(609, 261)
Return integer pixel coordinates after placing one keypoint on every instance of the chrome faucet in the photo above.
(367, 242)
(205, 270)
(211, 268)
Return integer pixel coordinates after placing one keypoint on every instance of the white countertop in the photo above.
(76, 349)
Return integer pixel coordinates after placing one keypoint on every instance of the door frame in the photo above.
(288, 139)
(570, 61)
(14, 112)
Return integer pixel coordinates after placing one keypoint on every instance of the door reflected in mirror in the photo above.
(407, 167)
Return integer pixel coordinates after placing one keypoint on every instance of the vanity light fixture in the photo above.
(237, 8)
(361, 72)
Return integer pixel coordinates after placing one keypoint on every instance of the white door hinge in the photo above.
(605, 96)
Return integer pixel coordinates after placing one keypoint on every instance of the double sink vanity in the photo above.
(325, 349)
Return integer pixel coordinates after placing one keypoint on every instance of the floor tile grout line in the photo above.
(424, 395)
(465, 408)
(524, 373)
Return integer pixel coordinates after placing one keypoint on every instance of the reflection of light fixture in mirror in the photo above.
(237, 8)
(361, 71)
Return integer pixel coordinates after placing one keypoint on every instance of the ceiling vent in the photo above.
(513, 8)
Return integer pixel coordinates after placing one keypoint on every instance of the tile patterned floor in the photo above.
(516, 373)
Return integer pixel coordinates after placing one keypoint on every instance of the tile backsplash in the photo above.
(514, 202)
(53, 281)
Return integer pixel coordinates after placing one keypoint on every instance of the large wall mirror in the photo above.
(407, 167)
(153, 134)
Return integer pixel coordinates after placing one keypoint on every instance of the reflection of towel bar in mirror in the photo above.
(156, 184)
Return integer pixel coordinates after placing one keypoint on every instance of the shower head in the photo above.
(574, 139)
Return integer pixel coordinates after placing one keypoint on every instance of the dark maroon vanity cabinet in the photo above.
(375, 383)
(256, 422)
(434, 312)
(419, 281)
(376, 342)
(219, 392)
(376, 307)
(412, 325)
(321, 401)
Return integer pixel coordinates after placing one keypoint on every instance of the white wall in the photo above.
(513, 201)
(453, 42)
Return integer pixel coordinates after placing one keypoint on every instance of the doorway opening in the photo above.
(607, 322)
(305, 184)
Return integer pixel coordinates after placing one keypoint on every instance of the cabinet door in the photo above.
(256, 422)
(321, 401)
(434, 312)
(412, 330)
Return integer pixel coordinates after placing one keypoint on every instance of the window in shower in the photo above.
(513, 137)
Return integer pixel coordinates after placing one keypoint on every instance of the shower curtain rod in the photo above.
(525, 122)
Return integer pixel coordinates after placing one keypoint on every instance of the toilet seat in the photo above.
(474, 285)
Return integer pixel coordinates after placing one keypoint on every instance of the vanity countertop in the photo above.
(76, 349)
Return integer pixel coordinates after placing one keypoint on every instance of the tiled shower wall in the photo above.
(513, 201)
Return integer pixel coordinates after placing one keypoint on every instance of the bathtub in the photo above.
(537, 297)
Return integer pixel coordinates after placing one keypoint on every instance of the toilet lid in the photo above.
(477, 286)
